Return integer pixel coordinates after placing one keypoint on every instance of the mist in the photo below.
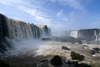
(25, 47)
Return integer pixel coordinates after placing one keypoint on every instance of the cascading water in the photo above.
(74, 34)
(97, 35)
(14, 30)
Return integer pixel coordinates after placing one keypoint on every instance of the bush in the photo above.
(76, 56)
(56, 61)
(3, 64)
(65, 48)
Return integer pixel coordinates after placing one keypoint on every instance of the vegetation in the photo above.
(3, 64)
(56, 61)
(65, 48)
(76, 56)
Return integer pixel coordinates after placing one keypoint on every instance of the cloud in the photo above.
(6, 3)
(36, 14)
(28, 10)
(73, 3)
(53, 0)
(64, 19)
(60, 12)
(43, 20)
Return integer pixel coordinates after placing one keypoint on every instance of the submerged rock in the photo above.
(56, 61)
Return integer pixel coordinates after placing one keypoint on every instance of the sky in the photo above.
(59, 15)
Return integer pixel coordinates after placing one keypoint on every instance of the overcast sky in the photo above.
(59, 15)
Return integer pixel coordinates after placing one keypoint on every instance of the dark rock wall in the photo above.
(3, 32)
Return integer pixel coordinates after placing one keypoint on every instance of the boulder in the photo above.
(56, 61)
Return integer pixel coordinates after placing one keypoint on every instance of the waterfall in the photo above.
(16, 30)
(96, 36)
(97, 39)
(74, 34)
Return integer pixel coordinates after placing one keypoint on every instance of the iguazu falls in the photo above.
(49, 33)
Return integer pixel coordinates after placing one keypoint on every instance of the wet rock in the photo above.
(77, 56)
(76, 64)
(95, 50)
(68, 62)
(84, 65)
(3, 33)
(2, 49)
(43, 63)
(80, 42)
(65, 48)
(85, 47)
(46, 39)
(56, 61)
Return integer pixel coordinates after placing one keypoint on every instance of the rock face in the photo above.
(56, 61)
(16, 30)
